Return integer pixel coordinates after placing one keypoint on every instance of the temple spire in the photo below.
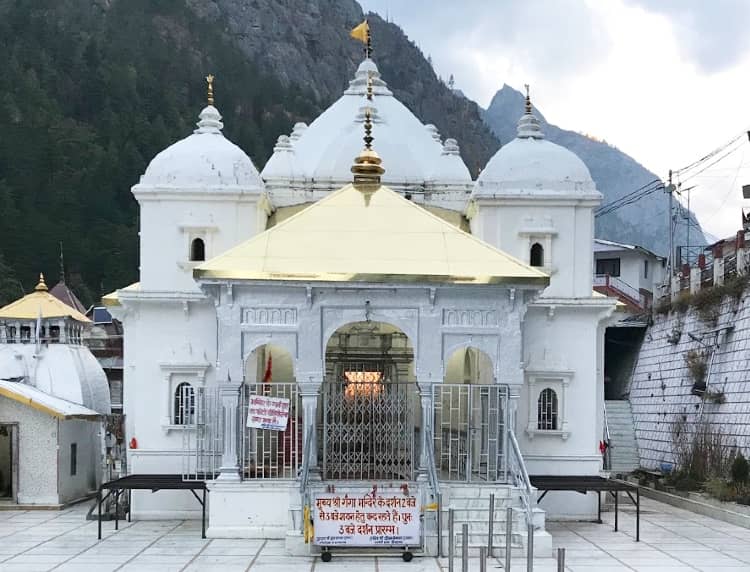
(62, 264)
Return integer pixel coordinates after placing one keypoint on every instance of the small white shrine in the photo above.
(54, 399)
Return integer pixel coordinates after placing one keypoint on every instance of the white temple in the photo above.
(431, 333)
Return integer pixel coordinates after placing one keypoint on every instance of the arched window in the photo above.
(197, 249)
(184, 404)
(546, 418)
(536, 257)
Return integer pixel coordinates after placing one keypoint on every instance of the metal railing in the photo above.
(620, 286)
(270, 454)
(469, 432)
(261, 454)
(522, 481)
(203, 437)
(520, 476)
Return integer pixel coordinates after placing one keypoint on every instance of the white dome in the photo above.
(283, 163)
(325, 150)
(62, 370)
(205, 160)
(450, 168)
(531, 165)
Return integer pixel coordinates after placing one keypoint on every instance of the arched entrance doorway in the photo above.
(470, 420)
(270, 454)
(369, 411)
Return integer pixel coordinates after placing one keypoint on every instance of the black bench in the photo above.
(153, 483)
(586, 483)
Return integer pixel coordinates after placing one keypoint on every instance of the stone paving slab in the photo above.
(672, 539)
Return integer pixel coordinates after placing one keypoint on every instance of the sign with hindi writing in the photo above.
(380, 519)
(265, 412)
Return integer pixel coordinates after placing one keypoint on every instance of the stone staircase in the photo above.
(470, 503)
(623, 448)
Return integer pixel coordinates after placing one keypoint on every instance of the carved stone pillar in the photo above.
(310, 392)
(426, 434)
(229, 405)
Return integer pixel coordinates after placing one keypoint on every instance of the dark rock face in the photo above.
(616, 174)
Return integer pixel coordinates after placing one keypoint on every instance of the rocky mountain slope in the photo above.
(616, 174)
(91, 90)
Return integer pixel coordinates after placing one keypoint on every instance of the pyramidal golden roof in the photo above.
(371, 236)
(40, 303)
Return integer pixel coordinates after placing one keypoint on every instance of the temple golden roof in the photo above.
(369, 235)
(40, 303)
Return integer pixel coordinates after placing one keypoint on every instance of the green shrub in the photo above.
(697, 365)
(707, 303)
(735, 286)
(720, 489)
(682, 302)
(740, 470)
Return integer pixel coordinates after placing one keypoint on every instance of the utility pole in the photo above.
(670, 258)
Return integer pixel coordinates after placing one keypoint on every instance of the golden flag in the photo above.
(361, 32)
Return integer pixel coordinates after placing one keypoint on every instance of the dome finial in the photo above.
(528, 98)
(528, 125)
(369, 87)
(210, 81)
(42, 286)
(367, 167)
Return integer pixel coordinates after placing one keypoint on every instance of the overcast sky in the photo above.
(666, 81)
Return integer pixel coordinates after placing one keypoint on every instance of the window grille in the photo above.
(547, 412)
(184, 404)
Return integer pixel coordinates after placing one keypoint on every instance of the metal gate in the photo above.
(368, 429)
(470, 435)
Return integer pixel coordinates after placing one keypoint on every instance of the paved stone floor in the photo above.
(672, 539)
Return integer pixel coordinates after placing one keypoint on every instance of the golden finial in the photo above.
(528, 98)
(210, 81)
(42, 286)
(367, 166)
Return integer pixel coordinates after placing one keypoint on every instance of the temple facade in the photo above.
(362, 319)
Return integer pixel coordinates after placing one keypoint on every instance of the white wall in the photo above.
(164, 345)
(566, 342)
(660, 392)
(86, 435)
(168, 225)
(513, 226)
(37, 450)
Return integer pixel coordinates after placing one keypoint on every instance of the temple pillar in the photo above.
(426, 434)
(310, 392)
(229, 402)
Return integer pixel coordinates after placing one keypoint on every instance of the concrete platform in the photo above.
(62, 540)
